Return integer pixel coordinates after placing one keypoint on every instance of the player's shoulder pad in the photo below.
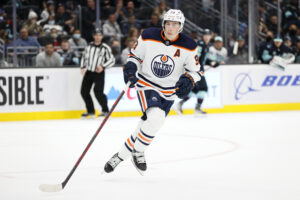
(152, 34)
(186, 42)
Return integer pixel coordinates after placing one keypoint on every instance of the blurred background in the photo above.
(250, 23)
(246, 36)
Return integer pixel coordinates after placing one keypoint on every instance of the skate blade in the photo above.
(88, 118)
(177, 112)
(140, 171)
(199, 114)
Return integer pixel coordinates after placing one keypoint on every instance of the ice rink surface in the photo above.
(249, 156)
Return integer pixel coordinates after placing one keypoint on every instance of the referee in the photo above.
(96, 58)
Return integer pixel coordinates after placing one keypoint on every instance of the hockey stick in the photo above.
(59, 187)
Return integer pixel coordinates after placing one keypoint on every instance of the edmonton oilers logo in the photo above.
(162, 65)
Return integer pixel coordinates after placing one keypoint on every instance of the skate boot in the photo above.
(87, 115)
(138, 159)
(103, 114)
(178, 108)
(112, 163)
(198, 110)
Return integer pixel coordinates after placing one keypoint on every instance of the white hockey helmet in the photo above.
(174, 15)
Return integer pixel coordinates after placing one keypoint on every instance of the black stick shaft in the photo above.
(93, 138)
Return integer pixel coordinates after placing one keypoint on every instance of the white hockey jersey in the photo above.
(161, 62)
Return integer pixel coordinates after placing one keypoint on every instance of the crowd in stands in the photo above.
(287, 40)
(62, 29)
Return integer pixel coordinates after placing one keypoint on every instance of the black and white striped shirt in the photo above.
(95, 56)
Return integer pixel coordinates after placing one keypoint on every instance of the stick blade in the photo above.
(51, 187)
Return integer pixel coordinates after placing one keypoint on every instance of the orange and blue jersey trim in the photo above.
(132, 55)
(142, 82)
(181, 41)
(142, 99)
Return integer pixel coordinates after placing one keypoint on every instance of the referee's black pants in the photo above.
(89, 79)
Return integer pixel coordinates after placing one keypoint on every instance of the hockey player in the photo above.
(200, 88)
(162, 65)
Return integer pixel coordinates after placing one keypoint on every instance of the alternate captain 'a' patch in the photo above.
(177, 53)
(162, 65)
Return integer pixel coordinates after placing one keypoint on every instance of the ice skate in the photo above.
(199, 111)
(112, 163)
(103, 114)
(87, 115)
(178, 108)
(138, 160)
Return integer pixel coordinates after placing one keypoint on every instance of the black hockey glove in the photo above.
(184, 85)
(129, 72)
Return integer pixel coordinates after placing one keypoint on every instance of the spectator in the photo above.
(2, 16)
(70, 27)
(94, 73)
(264, 44)
(194, 35)
(129, 45)
(73, 11)
(241, 55)
(55, 37)
(274, 49)
(63, 18)
(297, 51)
(77, 43)
(154, 22)
(262, 12)
(217, 52)
(89, 20)
(119, 12)
(133, 32)
(107, 7)
(272, 25)
(70, 7)
(25, 40)
(48, 58)
(129, 10)
(28, 47)
(288, 43)
(290, 15)
(4, 37)
(262, 27)
(160, 10)
(292, 32)
(50, 10)
(51, 24)
(111, 28)
(68, 57)
(31, 25)
(131, 22)
(116, 49)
